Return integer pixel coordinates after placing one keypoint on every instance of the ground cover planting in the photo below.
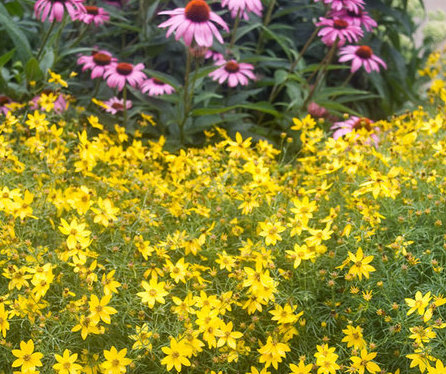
(120, 256)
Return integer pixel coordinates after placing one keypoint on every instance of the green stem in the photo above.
(234, 30)
(80, 37)
(303, 50)
(266, 22)
(58, 35)
(124, 96)
(45, 39)
(95, 92)
(185, 96)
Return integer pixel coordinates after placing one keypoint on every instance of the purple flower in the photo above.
(155, 87)
(93, 14)
(243, 6)
(194, 23)
(54, 9)
(361, 55)
(117, 75)
(352, 5)
(115, 105)
(361, 18)
(4, 102)
(235, 73)
(338, 29)
(355, 124)
(97, 62)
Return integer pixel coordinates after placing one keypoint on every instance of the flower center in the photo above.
(4, 100)
(364, 52)
(340, 24)
(232, 67)
(26, 357)
(101, 59)
(157, 82)
(124, 68)
(117, 106)
(363, 123)
(197, 11)
(91, 9)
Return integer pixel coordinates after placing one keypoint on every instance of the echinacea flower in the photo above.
(155, 87)
(115, 105)
(232, 71)
(360, 18)
(117, 75)
(194, 23)
(4, 101)
(338, 29)
(216, 56)
(55, 9)
(97, 62)
(355, 123)
(93, 14)
(352, 5)
(361, 55)
(243, 7)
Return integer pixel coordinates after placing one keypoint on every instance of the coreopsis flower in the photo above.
(176, 355)
(365, 362)
(352, 5)
(99, 309)
(272, 352)
(48, 101)
(66, 364)
(117, 75)
(355, 123)
(155, 87)
(438, 369)
(194, 22)
(419, 304)
(55, 9)
(339, 30)
(154, 292)
(353, 337)
(270, 231)
(233, 72)
(93, 14)
(4, 324)
(115, 105)
(301, 369)
(26, 357)
(116, 362)
(98, 62)
(243, 7)
(360, 265)
(360, 18)
(361, 56)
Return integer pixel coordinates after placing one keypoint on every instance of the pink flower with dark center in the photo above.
(244, 7)
(194, 23)
(352, 5)
(117, 75)
(317, 111)
(4, 101)
(155, 87)
(361, 55)
(338, 29)
(360, 19)
(235, 73)
(93, 14)
(355, 124)
(97, 62)
(55, 9)
(115, 105)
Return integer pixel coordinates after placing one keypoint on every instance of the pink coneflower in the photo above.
(338, 29)
(55, 9)
(4, 101)
(235, 73)
(360, 19)
(361, 55)
(155, 87)
(115, 105)
(244, 7)
(216, 56)
(117, 75)
(98, 62)
(352, 5)
(355, 123)
(194, 23)
(93, 14)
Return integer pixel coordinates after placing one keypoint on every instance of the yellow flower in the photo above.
(142, 337)
(76, 232)
(26, 357)
(353, 337)
(227, 336)
(66, 363)
(116, 361)
(419, 304)
(420, 359)
(154, 292)
(57, 78)
(88, 326)
(270, 231)
(301, 369)
(438, 369)
(360, 264)
(365, 362)
(4, 324)
(272, 352)
(99, 309)
(176, 355)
